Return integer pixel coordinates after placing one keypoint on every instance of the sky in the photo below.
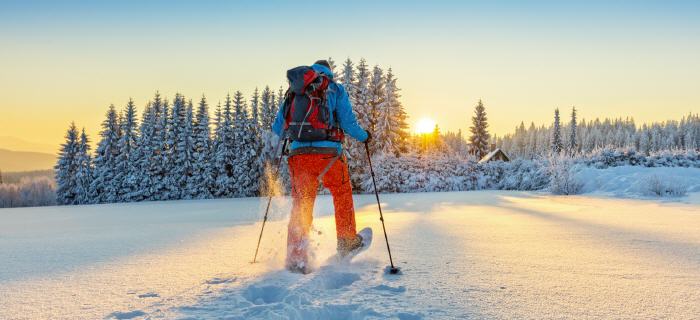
(64, 61)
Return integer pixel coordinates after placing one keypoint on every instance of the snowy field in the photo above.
(490, 254)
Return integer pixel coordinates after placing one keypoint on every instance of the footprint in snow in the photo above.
(220, 280)
(264, 294)
(125, 315)
(409, 316)
(149, 295)
(338, 280)
(385, 288)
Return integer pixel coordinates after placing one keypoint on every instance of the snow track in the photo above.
(496, 255)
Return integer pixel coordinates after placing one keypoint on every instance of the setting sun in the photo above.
(424, 125)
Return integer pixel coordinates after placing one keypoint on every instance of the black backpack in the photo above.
(307, 116)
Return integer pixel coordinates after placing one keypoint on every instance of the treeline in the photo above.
(173, 151)
(585, 137)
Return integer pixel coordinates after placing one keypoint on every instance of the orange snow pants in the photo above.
(305, 171)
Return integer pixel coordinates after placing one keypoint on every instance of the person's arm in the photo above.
(346, 118)
(278, 125)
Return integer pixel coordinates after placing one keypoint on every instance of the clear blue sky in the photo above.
(68, 60)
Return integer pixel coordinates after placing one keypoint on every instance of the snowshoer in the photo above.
(315, 116)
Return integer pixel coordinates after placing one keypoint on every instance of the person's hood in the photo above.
(323, 69)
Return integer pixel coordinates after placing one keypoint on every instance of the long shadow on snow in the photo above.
(670, 249)
(415, 202)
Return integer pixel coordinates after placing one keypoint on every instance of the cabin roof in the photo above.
(491, 155)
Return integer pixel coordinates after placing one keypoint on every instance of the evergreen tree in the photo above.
(359, 97)
(170, 187)
(181, 146)
(104, 186)
(187, 145)
(268, 112)
(269, 140)
(83, 175)
(255, 107)
(267, 109)
(573, 142)
(151, 147)
(331, 62)
(126, 171)
(67, 167)
(532, 143)
(245, 165)
(144, 154)
(224, 153)
(556, 144)
(479, 139)
(202, 175)
(378, 111)
(394, 119)
(347, 78)
(437, 144)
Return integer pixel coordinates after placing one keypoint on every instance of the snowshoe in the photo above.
(349, 249)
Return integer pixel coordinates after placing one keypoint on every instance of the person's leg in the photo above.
(304, 186)
(337, 180)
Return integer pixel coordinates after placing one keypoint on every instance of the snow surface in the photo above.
(479, 254)
(634, 181)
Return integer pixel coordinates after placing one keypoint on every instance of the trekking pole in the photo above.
(393, 270)
(269, 200)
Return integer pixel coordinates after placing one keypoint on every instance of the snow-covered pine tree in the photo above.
(520, 140)
(258, 132)
(378, 111)
(181, 146)
(397, 116)
(245, 166)
(255, 107)
(216, 140)
(331, 62)
(202, 176)
(267, 116)
(151, 147)
(186, 160)
(224, 153)
(437, 146)
(359, 96)
(104, 186)
(556, 143)
(532, 141)
(67, 167)
(269, 140)
(347, 78)
(573, 141)
(169, 187)
(144, 154)
(126, 171)
(280, 97)
(83, 176)
(479, 138)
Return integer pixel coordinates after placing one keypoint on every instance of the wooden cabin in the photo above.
(495, 155)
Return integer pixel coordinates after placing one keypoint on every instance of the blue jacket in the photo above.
(339, 102)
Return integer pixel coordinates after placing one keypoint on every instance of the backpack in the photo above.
(307, 116)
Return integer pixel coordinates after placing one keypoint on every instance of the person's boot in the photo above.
(346, 246)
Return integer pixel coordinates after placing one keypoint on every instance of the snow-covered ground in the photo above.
(490, 254)
(637, 181)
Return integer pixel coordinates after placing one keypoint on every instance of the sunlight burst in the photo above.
(424, 125)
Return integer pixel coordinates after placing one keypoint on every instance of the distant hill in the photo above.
(18, 144)
(25, 161)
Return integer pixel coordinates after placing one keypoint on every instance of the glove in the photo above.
(369, 137)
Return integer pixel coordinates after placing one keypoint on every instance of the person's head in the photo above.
(323, 63)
